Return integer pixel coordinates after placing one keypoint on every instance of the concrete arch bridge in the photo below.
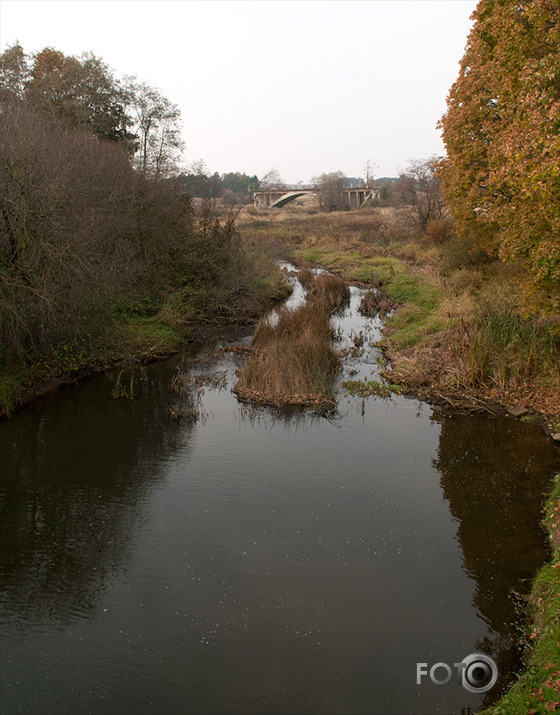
(276, 198)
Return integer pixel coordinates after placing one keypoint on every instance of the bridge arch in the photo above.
(290, 196)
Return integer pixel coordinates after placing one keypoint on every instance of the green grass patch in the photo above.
(315, 255)
(365, 388)
(416, 318)
(365, 273)
(150, 334)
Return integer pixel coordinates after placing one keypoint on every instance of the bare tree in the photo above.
(330, 191)
(272, 180)
(418, 194)
(369, 169)
(157, 125)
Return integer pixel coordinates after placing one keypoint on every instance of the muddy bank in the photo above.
(409, 378)
(224, 331)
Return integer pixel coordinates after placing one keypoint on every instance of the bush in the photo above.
(439, 230)
(463, 252)
(68, 232)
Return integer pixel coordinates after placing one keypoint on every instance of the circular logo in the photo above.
(480, 673)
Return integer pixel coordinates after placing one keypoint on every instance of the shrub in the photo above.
(439, 230)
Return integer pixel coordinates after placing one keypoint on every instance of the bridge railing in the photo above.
(287, 187)
(310, 187)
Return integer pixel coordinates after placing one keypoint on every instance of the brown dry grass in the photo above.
(293, 361)
(376, 303)
(331, 290)
(305, 274)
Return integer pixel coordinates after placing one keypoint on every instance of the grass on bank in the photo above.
(538, 688)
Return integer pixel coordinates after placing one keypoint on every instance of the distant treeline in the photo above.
(199, 184)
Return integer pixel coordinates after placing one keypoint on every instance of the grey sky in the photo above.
(303, 87)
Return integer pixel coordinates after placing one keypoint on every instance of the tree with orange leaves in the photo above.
(501, 176)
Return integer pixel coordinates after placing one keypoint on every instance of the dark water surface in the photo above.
(253, 562)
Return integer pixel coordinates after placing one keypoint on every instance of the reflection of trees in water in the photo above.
(494, 473)
(71, 491)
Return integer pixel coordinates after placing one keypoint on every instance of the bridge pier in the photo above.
(357, 197)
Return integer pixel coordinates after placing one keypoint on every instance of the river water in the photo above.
(247, 560)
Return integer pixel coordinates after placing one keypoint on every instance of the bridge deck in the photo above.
(276, 198)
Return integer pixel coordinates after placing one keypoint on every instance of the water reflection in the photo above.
(74, 474)
(494, 478)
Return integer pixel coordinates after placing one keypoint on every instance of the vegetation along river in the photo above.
(242, 559)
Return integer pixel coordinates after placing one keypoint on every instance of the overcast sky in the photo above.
(305, 87)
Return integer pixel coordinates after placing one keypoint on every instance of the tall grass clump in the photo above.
(331, 290)
(305, 275)
(500, 347)
(293, 361)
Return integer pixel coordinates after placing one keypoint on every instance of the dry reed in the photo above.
(376, 303)
(331, 290)
(294, 361)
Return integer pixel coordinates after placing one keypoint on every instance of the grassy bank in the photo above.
(141, 325)
(458, 333)
(538, 688)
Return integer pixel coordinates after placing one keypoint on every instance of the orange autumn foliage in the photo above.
(501, 176)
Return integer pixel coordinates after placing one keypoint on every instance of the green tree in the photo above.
(14, 71)
(239, 182)
(501, 177)
(80, 91)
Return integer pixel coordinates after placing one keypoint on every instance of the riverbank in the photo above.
(455, 334)
(538, 687)
(140, 329)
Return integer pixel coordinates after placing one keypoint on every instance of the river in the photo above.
(248, 560)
